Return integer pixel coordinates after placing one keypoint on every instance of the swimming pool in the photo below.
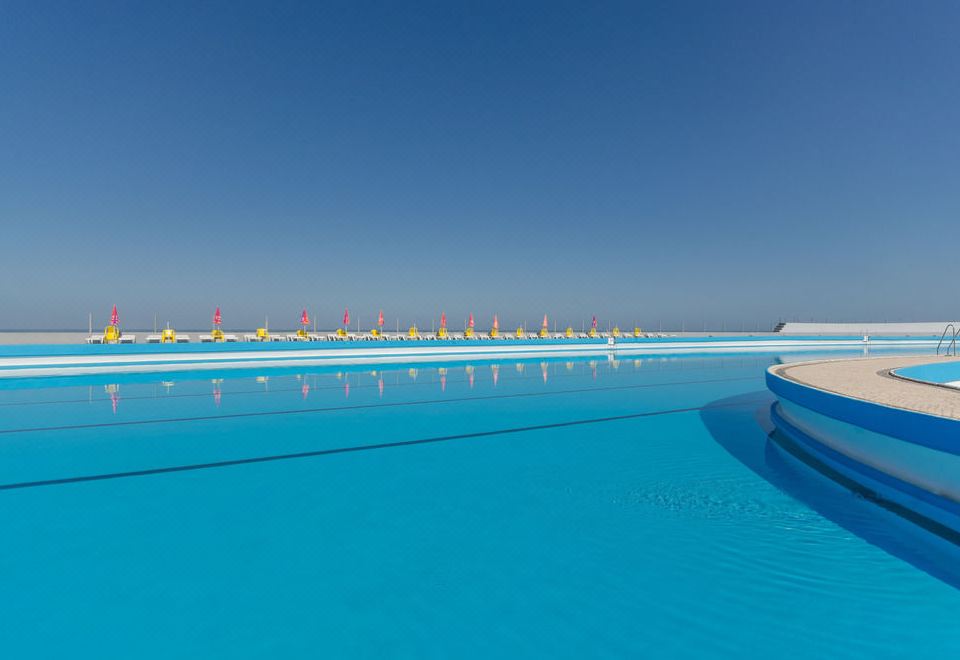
(564, 508)
(942, 373)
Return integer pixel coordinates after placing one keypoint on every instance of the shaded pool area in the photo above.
(565, 507)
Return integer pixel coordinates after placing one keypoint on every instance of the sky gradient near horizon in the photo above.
(651, 162)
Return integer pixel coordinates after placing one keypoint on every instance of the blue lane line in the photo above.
(359, 448)
(362, 406)
(608, 375)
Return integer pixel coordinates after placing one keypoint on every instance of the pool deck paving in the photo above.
(869, 379)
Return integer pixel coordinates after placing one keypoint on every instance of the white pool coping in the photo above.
(69, 365)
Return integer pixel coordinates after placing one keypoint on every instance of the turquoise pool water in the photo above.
(938, 372)
(571, 508)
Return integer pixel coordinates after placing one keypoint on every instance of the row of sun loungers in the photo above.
(155, 339)
(209, 338)
(432, 337)
(124, 339)
(184, 339)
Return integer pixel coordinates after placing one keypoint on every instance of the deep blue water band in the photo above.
(938, 433)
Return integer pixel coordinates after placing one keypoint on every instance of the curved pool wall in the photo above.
(32, 360)
(909, 461)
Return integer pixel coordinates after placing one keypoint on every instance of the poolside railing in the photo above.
(951, 348)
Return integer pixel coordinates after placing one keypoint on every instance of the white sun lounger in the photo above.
(153, 339)
(210, 339)
(183, 339)
(127, 339)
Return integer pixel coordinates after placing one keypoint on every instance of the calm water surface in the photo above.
(562, 508)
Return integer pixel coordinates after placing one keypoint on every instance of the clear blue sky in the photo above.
(733, 162)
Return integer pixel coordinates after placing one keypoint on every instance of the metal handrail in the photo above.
(952, 346)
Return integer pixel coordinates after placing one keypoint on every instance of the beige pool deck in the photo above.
(869, 379)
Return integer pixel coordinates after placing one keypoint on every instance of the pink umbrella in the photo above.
(594, 324)
(470, 322)
(496, 323)
(114, 317)
(544, 320)
(346, 317)
(380, 319)
(443, 319)
(304, 319)
(217, 320)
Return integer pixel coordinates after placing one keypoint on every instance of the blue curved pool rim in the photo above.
(863, 445)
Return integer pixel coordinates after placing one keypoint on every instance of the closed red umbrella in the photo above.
(380, 319)
(114, 317)
(594, 324)
(496, 323)
(217, 320)
(346, 317)
(544, 320)
(443, 319)
(304, 318)
(470, 322)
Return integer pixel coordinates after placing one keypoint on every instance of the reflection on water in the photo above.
(226, 384)
(113, 390)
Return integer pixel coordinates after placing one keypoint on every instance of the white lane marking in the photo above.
(396, 351)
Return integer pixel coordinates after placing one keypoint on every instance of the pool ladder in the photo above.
(950, 337)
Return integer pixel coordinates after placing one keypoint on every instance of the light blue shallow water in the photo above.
(938, 372)
(559, 509)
